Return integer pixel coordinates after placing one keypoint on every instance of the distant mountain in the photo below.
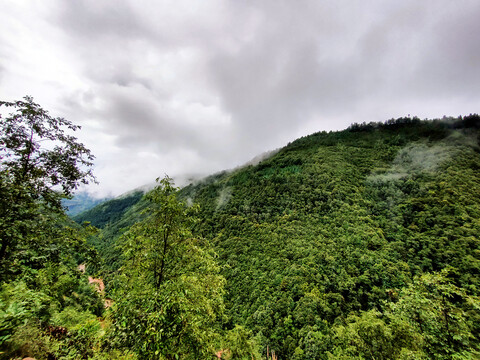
(82, 201)
(362, 243)
(109, 211)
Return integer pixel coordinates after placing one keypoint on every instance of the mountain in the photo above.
(349, 243)
(109, 211)
(81, 202)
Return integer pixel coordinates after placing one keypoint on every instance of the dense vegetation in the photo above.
(354, 244)
(47, 307)
(358, 244)
(110, 211)
(169, 292)
(168, 295)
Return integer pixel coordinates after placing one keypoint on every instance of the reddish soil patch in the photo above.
(98, 284)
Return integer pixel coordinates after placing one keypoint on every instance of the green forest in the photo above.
(354, 244)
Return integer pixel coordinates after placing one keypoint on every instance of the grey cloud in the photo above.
(283, 65)
(450, 65)
(92, 20)
(284, 74)
(121, 74)
(296, 67)
(424, 52)
(194, 86)
(143, 121)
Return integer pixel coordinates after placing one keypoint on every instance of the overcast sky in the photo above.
(195, 87)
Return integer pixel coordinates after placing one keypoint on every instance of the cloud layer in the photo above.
(189, 87)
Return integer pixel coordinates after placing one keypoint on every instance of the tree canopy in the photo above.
(40, 163)
(47, 308)
(170, 295)
(358, 244)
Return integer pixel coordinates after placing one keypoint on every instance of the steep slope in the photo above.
(110, 211)
(339, 223)
(112, 217)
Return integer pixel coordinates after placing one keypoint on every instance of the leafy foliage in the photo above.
(358, 244)
(46, 304)
(109, 211)
(336, 224)
(171, 291)
(38, 157)
(443, 314)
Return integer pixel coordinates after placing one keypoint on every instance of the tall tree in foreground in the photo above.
(41, 289)
(40, 162)
(171, 292)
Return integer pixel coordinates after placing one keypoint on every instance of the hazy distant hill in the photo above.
(377, 224)
(82, 201)
(109, 211)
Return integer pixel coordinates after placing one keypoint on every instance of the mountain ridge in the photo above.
(338, 225)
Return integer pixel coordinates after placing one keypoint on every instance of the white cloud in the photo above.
(186, 87)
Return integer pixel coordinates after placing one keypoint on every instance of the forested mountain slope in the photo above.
(362, 243)
(81, 202)
(109, 211)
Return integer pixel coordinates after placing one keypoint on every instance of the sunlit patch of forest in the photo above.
(356, 244)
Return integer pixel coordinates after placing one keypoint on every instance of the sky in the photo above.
(189, 88)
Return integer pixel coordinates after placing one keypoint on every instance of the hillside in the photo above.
(362, 243)
(80, 202)
(110, 211)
